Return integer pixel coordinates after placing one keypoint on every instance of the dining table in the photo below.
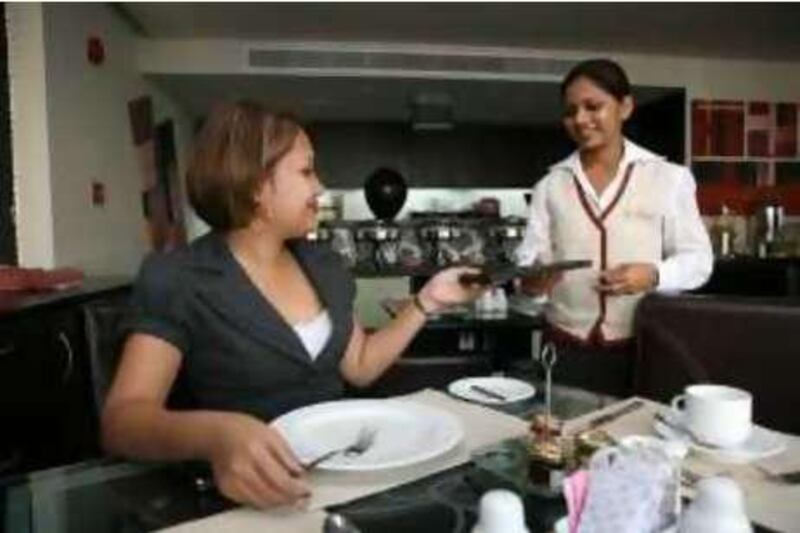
(441, 495)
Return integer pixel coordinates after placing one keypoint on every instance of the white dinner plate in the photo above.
(512, 390)
(761, 443)
(406, 432)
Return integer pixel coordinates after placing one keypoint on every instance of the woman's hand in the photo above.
(444, 289)
(253, 464)
(628, 278)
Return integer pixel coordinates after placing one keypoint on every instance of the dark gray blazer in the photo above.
(239, 354)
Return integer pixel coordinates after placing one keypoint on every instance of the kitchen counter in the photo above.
(465, 316)
(20, 302)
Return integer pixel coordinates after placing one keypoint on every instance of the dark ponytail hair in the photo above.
(604, 73)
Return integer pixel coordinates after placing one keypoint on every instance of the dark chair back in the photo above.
(104, 336)
(750, 343)
(104, 322)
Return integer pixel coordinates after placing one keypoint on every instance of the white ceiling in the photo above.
(766, 31)
(760, 31)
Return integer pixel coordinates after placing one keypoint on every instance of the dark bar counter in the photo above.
(754, 276)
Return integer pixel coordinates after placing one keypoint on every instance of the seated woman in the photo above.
(257, 320)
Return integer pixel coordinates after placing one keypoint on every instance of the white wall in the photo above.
(30, 149)
(87, 137)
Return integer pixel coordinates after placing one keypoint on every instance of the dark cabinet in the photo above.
(47, 410)
(43, 380)
(751, 276)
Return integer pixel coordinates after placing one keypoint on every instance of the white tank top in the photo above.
(314, 333)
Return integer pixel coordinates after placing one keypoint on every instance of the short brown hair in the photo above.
(235, 151)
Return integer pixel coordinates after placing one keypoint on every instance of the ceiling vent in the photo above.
(332, 62)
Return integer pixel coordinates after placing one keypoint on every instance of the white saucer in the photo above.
(761, 443)
(512, 390)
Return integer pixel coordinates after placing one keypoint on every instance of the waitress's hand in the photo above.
(628, 278)
(253, 464)
(444, 289)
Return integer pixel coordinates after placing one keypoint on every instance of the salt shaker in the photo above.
(500, 511)
(717, 508)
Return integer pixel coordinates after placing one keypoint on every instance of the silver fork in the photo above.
(364, 440)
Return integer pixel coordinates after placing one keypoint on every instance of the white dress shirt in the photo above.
(646, 214)
(687, 257)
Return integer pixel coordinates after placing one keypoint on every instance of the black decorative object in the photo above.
(385, 190)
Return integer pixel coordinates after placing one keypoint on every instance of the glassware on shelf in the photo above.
(723, 234)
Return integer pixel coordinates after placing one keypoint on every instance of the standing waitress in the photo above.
(630, 211)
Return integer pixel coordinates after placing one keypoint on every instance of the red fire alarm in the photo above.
(95, 50)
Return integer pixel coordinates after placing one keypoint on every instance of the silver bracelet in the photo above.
(418, 305)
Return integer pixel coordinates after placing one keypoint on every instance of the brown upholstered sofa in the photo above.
(752, 343)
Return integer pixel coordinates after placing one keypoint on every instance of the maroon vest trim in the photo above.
(561, 336)
(596, 333)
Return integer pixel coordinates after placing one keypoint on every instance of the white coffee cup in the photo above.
(716, 414)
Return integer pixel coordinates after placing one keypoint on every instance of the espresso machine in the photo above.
(506, 235)
(378, 245)
(440, 234)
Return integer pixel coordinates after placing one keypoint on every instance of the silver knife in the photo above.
(488, 393)
(617, 413)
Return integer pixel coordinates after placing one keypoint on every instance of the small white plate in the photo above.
(407, 432)
(512, 390)
(761, 443)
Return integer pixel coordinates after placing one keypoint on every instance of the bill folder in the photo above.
(500, 274)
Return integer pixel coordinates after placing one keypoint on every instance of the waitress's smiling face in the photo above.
(593, 117)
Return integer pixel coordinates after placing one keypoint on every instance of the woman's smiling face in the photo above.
(291, 193)
(593, 117)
